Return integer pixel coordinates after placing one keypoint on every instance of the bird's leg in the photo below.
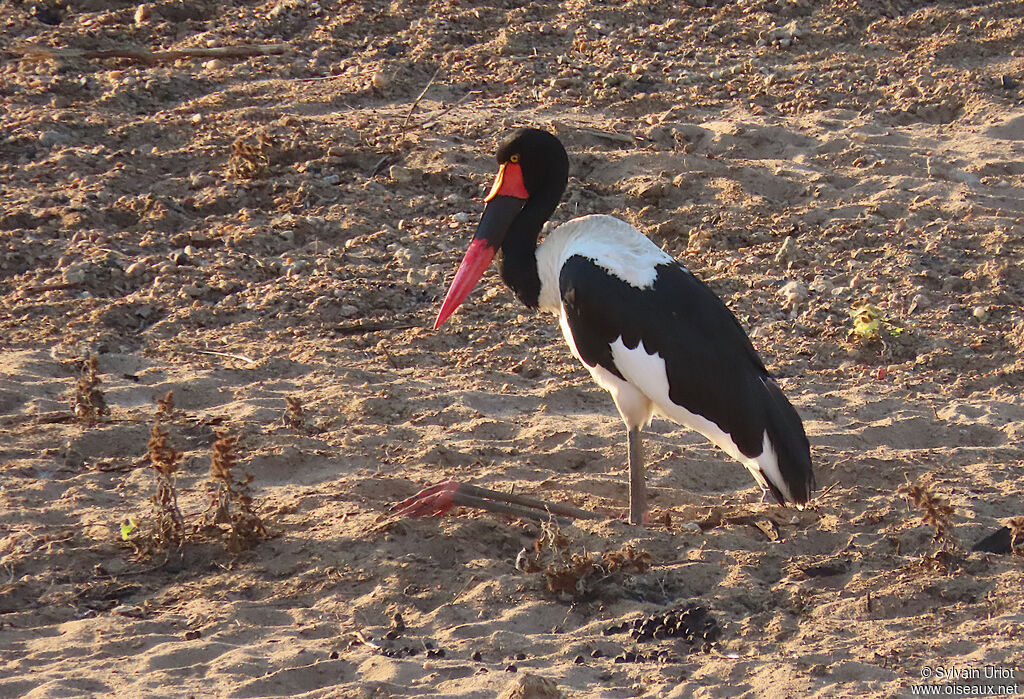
(637, 486)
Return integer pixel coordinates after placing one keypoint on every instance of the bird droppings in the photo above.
(691, 623)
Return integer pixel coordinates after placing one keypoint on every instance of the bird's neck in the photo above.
(519, 249)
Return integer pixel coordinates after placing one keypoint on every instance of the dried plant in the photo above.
(936, 512)
(294, 415)
(1016, 526)
(88, 402)
(165, 407)
(250, 155)
(580, 574)
(164, 529)
(231, 503)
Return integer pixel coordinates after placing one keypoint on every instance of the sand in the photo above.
(242, 230)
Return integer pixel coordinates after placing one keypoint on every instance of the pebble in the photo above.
(401, 175)
(76, 273)
(461, 217)
(919, 302)
(980, 313)
(143, 13)
(940, 170)
(381, 80)
(331, 179)
(787, 251)
(296, 267)
(215, 64)
(48, 139)
(793, 292)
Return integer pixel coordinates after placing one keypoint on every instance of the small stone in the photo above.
(918, 302)
(193, 290)
(793, 292)
(401, 175)
(980, 313)
(75, 274)
(143, 13)
(787, 251)
(193, 635)
(461, 217)
(215, 64)
(381, 80)
(331, 179)
(48, 139)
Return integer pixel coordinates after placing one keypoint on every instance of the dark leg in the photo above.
(637, 487)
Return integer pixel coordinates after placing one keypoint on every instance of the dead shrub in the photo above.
(88, 402)
(231, 510)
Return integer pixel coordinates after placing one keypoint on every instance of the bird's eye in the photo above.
(513, 158)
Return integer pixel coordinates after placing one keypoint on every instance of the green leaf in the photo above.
(128, 527)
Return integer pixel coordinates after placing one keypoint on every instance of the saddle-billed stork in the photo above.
(647, 330)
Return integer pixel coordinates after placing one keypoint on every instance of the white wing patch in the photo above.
(608, 242)
(635, 408)
(647, 373)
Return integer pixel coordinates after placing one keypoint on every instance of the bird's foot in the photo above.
(429, 502)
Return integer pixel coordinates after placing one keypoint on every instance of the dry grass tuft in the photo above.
(579, 574)
(294, 415)
(88, 402)
(231, 503)
(250, 156)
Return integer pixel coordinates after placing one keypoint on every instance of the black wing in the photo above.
(713, 370)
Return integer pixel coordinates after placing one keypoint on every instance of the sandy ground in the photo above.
(884, 140)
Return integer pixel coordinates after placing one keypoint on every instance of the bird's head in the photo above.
(533, 169)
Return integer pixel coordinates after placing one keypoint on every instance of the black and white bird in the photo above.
(647, 330)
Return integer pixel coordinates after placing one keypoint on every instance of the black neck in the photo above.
(519, 249)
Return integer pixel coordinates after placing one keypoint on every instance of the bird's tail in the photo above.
(785, 432)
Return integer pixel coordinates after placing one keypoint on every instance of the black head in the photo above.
(532, 174)
(542, 158)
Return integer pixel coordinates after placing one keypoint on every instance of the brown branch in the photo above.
(147, 56)
(420, 97)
